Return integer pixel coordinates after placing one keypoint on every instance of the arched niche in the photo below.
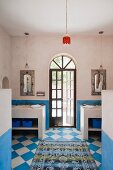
(5, 83)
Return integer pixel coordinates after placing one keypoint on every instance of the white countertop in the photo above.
(92, 106)
(27, 106)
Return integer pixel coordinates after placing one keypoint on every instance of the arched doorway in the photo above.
(62, 88)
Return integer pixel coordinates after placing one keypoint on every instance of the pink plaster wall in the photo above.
(86, 51)
(5, 55)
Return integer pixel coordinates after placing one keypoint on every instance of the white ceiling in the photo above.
(48, 16)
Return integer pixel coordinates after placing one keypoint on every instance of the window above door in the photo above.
(62, 62)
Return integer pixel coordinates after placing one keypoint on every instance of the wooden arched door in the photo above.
(62, 92)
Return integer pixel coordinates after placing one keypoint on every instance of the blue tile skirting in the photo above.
(31, 102)
(81, 102)
(5, 150)
(107, 152)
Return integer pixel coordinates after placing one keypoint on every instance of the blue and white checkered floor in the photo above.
(24, 146)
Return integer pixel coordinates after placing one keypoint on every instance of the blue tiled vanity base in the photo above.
(81, 102)
(31, 102)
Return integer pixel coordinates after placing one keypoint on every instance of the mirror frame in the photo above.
(93, 73)
(32, 74)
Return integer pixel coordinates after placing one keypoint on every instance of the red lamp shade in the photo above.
(66, 39)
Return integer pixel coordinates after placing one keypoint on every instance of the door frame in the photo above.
(50, 95)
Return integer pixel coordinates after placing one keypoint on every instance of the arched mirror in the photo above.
(27, 82)
(5, 83)
(98, 81)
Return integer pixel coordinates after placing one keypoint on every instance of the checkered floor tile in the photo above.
(24, 146)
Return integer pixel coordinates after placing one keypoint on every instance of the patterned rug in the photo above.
(63, 155)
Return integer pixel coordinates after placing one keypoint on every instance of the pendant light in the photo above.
(66, 38)
(101, 33)
(26, 64)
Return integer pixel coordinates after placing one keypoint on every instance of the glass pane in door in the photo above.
(59, 104)
(59, 94)
(59, 83)
(68, 98)
(53, 94)
(53, 112)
